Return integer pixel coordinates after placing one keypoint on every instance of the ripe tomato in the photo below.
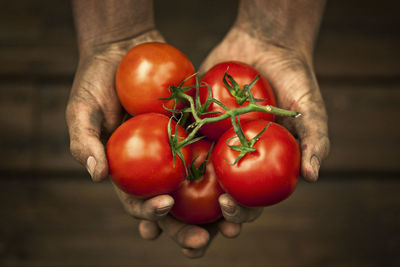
(264, 177)
(243, 74)
(196, 202)
(140, 159)
(145, 74)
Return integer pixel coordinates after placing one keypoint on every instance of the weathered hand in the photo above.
(194, 240)
(277, 38)
(105, 32)
(93, 109)
(93, 112)
(291, 74)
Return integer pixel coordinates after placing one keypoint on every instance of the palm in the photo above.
(96, 88)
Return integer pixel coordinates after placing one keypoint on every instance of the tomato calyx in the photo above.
(197, 109)
(246, 146)
(241, 95)
(178, 93)
(196, 174)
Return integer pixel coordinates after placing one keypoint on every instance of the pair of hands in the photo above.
(94, 111)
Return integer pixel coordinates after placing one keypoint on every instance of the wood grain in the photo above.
(62, 222)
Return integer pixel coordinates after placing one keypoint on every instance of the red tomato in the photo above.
(140, 159)
(264, 177)
(196, 202)
(243, 74)
(145, 74)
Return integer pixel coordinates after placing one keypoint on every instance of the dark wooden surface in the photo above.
(65, 222)
(51, 215)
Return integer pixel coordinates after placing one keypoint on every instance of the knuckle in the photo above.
(128, 209)
(76, 150)
(133, 207)
(234, 218)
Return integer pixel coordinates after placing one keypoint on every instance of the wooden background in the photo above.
(52, 215)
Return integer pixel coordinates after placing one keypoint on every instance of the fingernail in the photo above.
(163, 211)
(91, 165)
(164, 207)
(316, 165)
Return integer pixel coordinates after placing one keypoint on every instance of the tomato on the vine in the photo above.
(264, 177)
(145, 74)
(196, 201)
(140, 159)
(243, 74)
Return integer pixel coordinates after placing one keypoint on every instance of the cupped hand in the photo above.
(93, 110)
(290, 72)
(93, 113)
(194, 240)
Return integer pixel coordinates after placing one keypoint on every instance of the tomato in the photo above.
(243, 74)
(196, 202)
(140, 159)
(145, 74)
(264, 177)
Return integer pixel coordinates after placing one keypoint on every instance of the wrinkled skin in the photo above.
(261, 40)
(293, 79)
(94, 112)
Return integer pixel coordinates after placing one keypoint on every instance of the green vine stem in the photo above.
(252, 107)
(197, 110)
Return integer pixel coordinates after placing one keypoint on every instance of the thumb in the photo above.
(84, 124)
(298, 90)
(314, 148)
(312, 130)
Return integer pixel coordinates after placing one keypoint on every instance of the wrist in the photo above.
(101, 23)
(120, 47)
(287, 24)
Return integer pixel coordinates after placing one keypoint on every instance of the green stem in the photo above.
(250, 108)
(198, 110)
(192, 135)
(238, 130)
(231, 113)
(184, 119)
(192, 106)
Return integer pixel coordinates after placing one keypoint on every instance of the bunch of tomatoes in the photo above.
(196, 139)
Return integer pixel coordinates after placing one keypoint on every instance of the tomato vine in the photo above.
(196, 109)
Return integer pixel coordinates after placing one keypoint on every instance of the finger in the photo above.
(297, 89)
(151, 209)
(149, 230)
(235, 213)
(314, 148)
(193, 239)
(193, 253)
(312, 130)
(197, 253)
(229, 229)
(84, 123)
